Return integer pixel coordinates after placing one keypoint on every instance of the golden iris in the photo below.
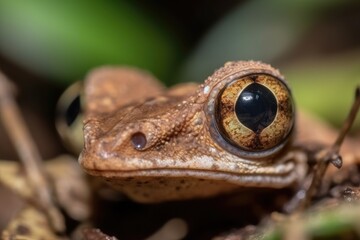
(255, 112)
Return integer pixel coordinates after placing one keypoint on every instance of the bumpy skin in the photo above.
(182, 157)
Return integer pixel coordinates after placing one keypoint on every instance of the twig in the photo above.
(330, 155)
(28, 153)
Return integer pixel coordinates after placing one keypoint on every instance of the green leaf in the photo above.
(65, 39)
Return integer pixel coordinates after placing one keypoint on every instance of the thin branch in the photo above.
(28, 153)
(330, 155)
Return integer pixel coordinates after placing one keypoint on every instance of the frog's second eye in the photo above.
(73, 110)
(255, 113)
(69, 118)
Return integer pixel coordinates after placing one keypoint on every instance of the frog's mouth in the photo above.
(275, 175)
(244, 180)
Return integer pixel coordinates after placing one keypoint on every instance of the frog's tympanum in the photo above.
(156, 144)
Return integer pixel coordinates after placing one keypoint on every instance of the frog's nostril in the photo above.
(138, 140)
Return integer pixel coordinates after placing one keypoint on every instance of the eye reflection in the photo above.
(247, 97)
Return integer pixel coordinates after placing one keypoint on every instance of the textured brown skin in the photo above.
(182, 158)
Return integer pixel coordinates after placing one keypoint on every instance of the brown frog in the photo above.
(190, 141)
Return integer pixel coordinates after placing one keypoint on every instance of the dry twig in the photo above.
(28, 153)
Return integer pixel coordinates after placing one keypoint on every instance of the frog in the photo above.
(234, 131)
(194, 134)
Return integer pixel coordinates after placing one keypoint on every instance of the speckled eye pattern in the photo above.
(255, 112)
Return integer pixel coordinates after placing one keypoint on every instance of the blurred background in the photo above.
(47, 45)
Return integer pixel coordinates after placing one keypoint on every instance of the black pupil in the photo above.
(73, 111)
(256, 107)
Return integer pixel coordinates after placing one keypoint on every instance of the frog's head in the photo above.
(190, 141)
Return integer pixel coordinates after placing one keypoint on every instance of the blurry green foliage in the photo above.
(64, 39)
(257, 30)
(339, 222)
(326, 86)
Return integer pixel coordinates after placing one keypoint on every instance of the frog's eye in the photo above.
(255, 113)
(69, 117)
